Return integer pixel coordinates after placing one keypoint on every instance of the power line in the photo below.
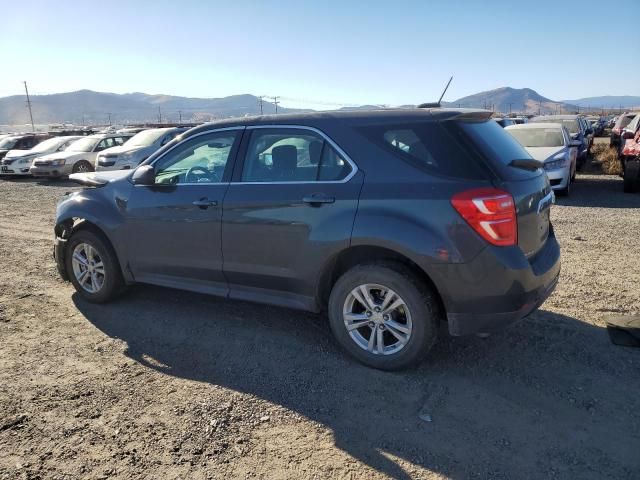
(33, 128)
(275, 102)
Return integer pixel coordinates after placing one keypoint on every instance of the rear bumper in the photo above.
(498, 287)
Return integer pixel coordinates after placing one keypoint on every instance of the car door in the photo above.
(290, 207)
(173, 226)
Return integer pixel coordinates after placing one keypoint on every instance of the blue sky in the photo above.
(336, 52)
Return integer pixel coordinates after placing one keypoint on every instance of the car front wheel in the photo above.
(383, 315)
(92, 267)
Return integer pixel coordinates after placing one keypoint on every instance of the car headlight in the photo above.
(57, 162)
(25, 160)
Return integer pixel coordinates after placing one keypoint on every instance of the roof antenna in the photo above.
(438, 103)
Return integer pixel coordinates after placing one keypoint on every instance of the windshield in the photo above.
(145, 138)
(83, 145)
(572, 124)
(8, 143)
(538, 137)
(633, 125)
(48, 144)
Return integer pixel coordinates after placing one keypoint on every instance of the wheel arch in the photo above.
(361, 254)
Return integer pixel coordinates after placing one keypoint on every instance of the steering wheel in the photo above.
(193, 175)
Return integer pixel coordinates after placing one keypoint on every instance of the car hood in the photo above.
(99, 179)
(19, 154)
(543, 153)
(65, 155)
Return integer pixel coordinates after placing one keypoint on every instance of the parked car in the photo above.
(449, 223)
(505, 122)
(20, 142)
(577, 129)
(630, 158)
(628, 133)
(80, 156)
(622, 121)
(18, 162)
(136, 150)
(551, 144)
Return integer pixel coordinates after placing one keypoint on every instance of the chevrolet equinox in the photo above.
(393, 221)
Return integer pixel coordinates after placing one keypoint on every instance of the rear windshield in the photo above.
(571, 124)
(429, 146)
(624, 121)
(497, 146)
(537, 137)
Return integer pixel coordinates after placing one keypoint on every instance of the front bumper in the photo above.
(559, 177)
(59, 249)
(15, 168)
(52, 171)
(498, 287)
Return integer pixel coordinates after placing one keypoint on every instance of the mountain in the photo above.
(89, 107)
(607, 101)
(507, 99)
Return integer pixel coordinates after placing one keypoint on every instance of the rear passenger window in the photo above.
(292, 155)
(428, 146)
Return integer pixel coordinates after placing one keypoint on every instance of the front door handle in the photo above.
(318, 198)
(205, 203)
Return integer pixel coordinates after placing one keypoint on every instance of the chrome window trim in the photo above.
(354, 167)
(173, 185)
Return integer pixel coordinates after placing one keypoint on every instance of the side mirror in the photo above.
(144, 175)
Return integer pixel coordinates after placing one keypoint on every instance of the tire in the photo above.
(631, 177)
(419, 313)
(112, 282)
(82, 166)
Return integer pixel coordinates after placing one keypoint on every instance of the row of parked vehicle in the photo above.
(44, 155)
(561, 142)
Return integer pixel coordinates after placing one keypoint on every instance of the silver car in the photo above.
(18, 162)
(552, 144)
(136, 150)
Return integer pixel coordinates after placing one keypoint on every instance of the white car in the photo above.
(552, 144)
(136, 150)
(18, 162)
(79, 157)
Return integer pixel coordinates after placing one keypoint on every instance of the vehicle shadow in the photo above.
(548, 397)
(49, 182)
(603, 191)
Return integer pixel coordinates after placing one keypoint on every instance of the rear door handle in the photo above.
(318, 198)
(205, 203)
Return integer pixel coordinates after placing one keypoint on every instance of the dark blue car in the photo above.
(391, 221)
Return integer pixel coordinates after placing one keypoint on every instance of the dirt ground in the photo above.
(169, 384)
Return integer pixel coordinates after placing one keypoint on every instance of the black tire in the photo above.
(82, 166)
(418, 297)
(113, 283)
(631, 178)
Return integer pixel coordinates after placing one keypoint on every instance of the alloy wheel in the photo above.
(377, 319)
(88, 267)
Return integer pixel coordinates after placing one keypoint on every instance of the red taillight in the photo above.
(491, 213)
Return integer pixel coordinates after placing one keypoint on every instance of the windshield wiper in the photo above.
(526, 163)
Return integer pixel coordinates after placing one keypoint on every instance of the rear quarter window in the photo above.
(428, 146)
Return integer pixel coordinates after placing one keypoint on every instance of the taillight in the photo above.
(490, 212)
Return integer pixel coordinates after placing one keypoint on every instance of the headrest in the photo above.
(285, 158)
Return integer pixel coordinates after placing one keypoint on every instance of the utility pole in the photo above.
(159, 115)
(275, 102)
(510, 108)
(109, 118)
(260, 102)
(33, 128)
(180, 114)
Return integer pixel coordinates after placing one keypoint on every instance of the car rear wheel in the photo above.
(82, 167)
(383, 315)
(92, 267)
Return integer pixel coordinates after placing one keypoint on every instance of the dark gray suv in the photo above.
(394, 221)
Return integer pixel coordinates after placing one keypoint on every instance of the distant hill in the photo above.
(89, 107)
(507, 99)
(607, 101)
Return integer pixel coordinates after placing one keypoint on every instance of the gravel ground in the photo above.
(169, 384)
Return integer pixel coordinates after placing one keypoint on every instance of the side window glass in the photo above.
(118, 140)
(104, 143)
(291, 155)
(201, 159)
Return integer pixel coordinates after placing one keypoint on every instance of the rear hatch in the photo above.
(517, 173)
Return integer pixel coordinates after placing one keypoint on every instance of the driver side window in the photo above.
(202, 159)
